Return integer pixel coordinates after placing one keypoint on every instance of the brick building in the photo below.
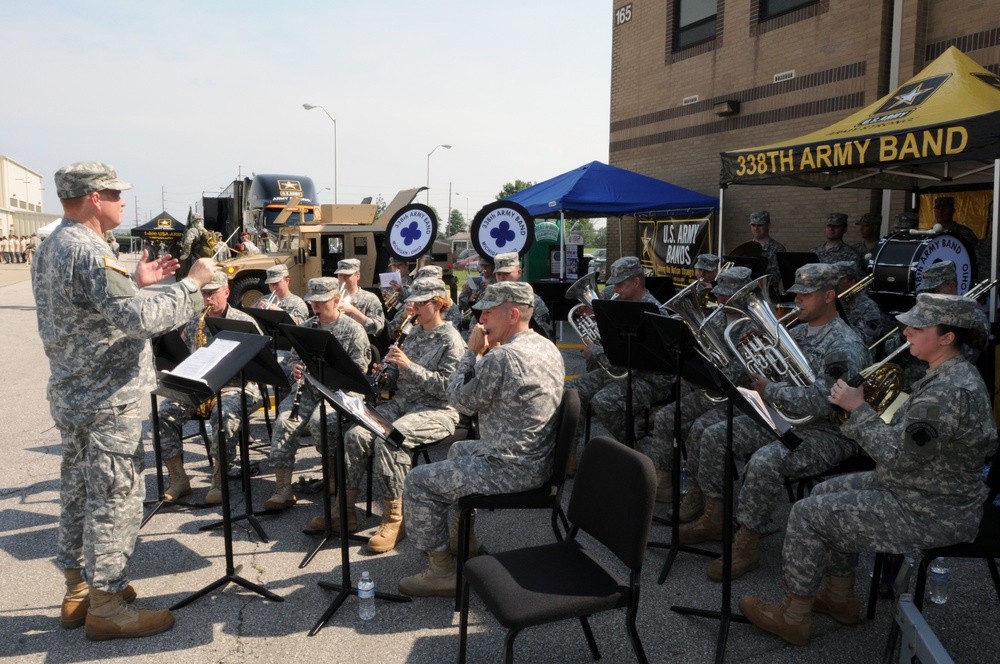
(791, 67)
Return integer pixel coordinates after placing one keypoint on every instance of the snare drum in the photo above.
(899, 260)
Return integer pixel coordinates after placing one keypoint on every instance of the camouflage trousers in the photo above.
(606, 398)
(391, 463)
(101, 492)
(431, 489)
(850, 514)
(659, 446)
(287, 432)
(770, 462)
(173, 415)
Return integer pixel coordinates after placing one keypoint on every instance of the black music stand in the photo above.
(790, 261)
(270, 321)
(349, 409)
(619, 323)
(326, 359)
(263, 368)
(169, 350)
(204, 375)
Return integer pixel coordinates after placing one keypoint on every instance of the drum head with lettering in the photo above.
(502, 227)
(898, 263)
(411, 231)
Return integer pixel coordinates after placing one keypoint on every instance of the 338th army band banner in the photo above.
(670, 247)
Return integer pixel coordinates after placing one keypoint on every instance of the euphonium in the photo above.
(688, 307)
(771, 352)
(204, 409)
(581, 316)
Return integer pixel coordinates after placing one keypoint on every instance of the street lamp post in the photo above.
(427, 200)
(466, 207)
(310, 107)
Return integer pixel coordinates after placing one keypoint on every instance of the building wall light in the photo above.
(726, 108)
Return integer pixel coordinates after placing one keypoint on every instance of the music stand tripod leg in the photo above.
(231, 574)
(161, 500)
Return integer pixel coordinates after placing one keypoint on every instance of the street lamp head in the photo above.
(309, 107)
(446, 147)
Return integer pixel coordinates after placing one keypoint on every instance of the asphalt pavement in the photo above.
(173, 559)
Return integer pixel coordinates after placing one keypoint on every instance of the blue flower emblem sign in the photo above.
(502, 227)
(411, 231)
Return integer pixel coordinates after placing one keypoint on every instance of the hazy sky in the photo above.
(185, 96)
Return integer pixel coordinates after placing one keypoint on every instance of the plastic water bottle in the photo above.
(938, 581)
(684, 476)
(366, 597)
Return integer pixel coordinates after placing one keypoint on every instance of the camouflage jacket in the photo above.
(433, 358)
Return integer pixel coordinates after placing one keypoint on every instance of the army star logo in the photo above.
(293, 185)
(647, 240)
(912, 94)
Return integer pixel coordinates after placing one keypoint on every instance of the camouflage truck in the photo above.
(310, 245)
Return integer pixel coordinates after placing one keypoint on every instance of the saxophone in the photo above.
(204, 409)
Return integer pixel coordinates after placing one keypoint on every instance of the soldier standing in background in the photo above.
(835, 249)
(870, 227)
(95, 327)
(760, 226)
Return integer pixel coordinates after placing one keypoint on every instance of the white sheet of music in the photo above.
(771, 416)
(205, 359)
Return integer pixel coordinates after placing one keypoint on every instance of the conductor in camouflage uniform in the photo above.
(832, 350)
(604, 393)
(300, 409)
(173, 415)
(513, 378)
(507, 267)
(925, 491)
(95, 329)
(417, 374)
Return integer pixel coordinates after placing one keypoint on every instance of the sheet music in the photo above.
(771, 416)
(206, 358)
(357, 408)
(386, 279)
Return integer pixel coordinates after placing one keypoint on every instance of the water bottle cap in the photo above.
(364, 575)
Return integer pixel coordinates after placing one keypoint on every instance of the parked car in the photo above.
(598, 260)
(467, 261)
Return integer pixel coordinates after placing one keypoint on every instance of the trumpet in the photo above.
(345, 297)
(404, 331)
(267, 302)
(582, 318)
(390, 300)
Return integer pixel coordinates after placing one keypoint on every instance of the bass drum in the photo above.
(898, 263)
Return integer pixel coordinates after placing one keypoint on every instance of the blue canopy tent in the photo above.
(600, 190)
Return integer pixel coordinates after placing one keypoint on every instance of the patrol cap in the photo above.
(730, 281)
(848, 269)
(84, 177)
(496, 294)
(322, 289)
(836, 219)
(508, 262)
(624, 268)
(935, 309)
(197, 216)
(433, 271)
(815, 276)
(348, 266)
(276, 273)
(945, 201)
(906, 220)
(708, 262)
(219, 280)
(485, 260)
(936, 275)
(760, 217)
(869, 219)
(426, 288)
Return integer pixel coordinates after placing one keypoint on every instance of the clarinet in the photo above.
(294, 415)
(404, 331)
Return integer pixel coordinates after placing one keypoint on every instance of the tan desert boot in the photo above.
(746, 555)
(319, 523)
(111, 618)
(790, 620)
(283, 497)
(76, 601)
(838, 600)
(437, 580)
(391, 530)
(180, 484)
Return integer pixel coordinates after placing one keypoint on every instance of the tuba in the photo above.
(204, 409)
(581, 316)
(771, 352)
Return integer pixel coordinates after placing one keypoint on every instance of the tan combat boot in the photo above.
(473, 540)
(746, 555)
(790, 620)
(664, 486)
(838, 600)
(111, 618)
(179, 485)
(214, 494)
(283, 497)
(391, 530)
(708, 527)
(319, 523)
(76, 601)
(692, 502)
(438, 580)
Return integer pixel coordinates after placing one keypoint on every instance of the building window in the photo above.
(769, 8)
(695, 22)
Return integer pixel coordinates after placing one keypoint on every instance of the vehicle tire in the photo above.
(246, 291)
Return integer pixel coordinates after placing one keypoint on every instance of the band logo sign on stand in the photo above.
(502, 227)
(411, 231)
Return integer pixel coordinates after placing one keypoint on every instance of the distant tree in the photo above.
(584, 227)
(601, 238)
(190, 215)
(456, 223)
(512, 188)
(380, 206)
